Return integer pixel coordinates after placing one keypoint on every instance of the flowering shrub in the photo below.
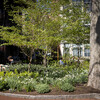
(12, 82)
(76, 76)
(19, 85)
(58, 83)
(60, 77)
(42, 88)
(3, 84)
(67, 87)
(1, 74)
(29, 84)
(24, 67)
(9, 74)
(19, 67)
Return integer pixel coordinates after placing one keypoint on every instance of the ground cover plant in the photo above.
(43, 79)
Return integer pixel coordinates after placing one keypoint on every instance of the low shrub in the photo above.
(67, 87)
(58, 83)
(49, 80)
(30, 85)
(50, 71)
(85, 65)
(3, 85)
(19, 86)
(42, 88)
(19, 67)
(1, 74)
(9, 74)
(12, 82)
(71, 80)
(83, 78)
(24, 67)
(23, 74)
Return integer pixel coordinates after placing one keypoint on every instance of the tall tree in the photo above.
(76, 28)
(36, 26)
(94, 71)
(76, 19)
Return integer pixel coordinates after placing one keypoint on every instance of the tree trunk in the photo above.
(45, 60)
(58, 53)
(94, 70)
(78, 60)
(29, 65)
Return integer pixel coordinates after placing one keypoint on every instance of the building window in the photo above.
(87, 52)
(81, 0)
(76, 0)
(66, 51)
(87, 1)
(77, 52)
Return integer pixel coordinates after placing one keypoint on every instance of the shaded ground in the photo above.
(79, 90)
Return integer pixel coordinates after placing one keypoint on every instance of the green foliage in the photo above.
(76, 77)
(56, 72)
(40, 78)
(58, 83)
(67, 87)
(37, 70)
(42, 88)
(9, 74)
(16, 72)
(35, 26)
(76, 18)
(19, 67)
(83, 78)
(1, 74)
(23, 74)
(30, 85)
(3, 85)
(19, 85)
(23, 67)
(85, 65)
(12, 82)
(48, 80)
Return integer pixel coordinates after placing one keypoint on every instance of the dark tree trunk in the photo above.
(45, 60)
(29, 65)
(30, 59)
(58, 52)
(94, 71)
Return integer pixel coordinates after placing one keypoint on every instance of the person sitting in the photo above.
(10, 59)
(61, 62)
(2, 68)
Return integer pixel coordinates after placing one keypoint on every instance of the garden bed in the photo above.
(81, 89)
(53, 80)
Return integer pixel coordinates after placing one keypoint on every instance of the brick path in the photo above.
(13, 98)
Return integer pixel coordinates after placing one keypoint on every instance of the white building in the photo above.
(73, 49)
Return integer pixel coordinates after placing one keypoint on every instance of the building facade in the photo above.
(75, 50)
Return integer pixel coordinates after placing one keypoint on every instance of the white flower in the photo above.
(41, 79)
(1, 78)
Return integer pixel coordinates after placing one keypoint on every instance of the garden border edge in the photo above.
(78, 96)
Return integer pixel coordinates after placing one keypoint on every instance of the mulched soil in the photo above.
(81, 89)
